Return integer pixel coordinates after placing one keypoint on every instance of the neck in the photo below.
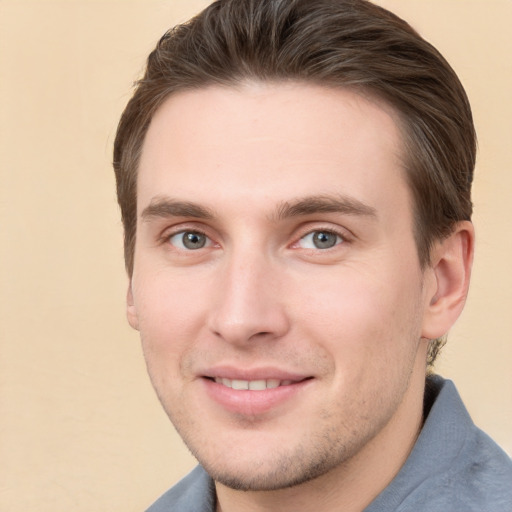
(353, 485)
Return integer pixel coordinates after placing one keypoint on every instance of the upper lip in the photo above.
(249, 374)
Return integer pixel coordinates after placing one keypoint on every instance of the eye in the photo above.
(320, 240)
(190, 240)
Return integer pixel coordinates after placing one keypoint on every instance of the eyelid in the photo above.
(306, 229)
(345, 234)
(184, 227)
(311, 240)
(180, 243)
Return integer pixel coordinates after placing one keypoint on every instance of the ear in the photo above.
(131, 310)
(451, 263)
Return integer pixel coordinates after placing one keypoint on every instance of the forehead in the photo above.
(265, 141)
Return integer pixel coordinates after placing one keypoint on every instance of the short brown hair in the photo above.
(335, 43)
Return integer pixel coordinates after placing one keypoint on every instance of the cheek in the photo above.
(171, 314)
(362, 318)
(168, 303)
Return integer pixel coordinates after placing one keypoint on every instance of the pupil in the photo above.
(194, 240)
(324, 240)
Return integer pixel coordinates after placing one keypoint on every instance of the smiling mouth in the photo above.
(254, 397)
(254, 385)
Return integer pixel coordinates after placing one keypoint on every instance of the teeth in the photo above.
(253, 385)
(240, 384)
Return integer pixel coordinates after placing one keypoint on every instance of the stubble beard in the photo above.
(330, 447)
(286, 471)
(317, 454)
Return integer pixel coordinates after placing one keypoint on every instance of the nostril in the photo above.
(261, 334)
(240, 321)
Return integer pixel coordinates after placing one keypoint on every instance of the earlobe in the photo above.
(452, 259)
(131, 310)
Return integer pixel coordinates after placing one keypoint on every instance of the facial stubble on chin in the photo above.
(329, 444)
(319, 454)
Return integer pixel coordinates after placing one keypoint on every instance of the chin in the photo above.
(247, 472)
(281, 476)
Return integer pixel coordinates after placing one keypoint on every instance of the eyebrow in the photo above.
(168, 207)
(162, 207)
(325, 204)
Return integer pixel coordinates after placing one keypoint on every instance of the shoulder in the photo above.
(453, 467)
(480, 478)
(194, 493)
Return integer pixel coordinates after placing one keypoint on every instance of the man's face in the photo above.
(276, 282)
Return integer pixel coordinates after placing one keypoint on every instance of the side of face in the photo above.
(276, 283)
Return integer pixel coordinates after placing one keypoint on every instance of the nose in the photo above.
(249, 301)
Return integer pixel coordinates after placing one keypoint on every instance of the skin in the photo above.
(254, 173)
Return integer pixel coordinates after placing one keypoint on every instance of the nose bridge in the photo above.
(248, 302)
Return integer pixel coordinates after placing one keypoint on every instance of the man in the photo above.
(294, 178)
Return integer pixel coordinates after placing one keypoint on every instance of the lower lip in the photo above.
(253, 403)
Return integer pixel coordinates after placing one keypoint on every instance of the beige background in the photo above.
(80, 428)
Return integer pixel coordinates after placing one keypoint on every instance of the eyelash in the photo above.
(166, 237)
(341, 234)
